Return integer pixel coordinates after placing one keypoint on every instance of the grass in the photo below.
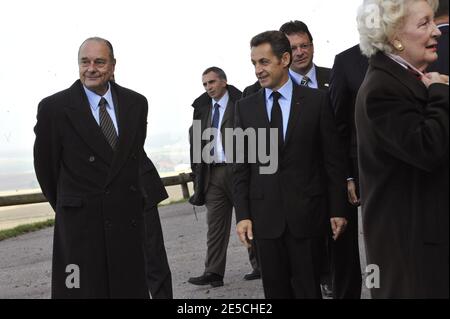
(183, 200)
(23, 229)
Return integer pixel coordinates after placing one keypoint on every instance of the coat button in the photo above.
(107, 192)
(92, 159)
(133, 223)
(133, 188)
(108, 223)
(133, 156)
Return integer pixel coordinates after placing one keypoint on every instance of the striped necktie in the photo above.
(305, 81)
(107, 125)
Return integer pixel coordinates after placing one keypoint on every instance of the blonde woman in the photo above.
(403, 134)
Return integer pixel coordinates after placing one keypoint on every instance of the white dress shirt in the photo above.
(218, 147)
(94, 99)
(312, 75)
(284, 101)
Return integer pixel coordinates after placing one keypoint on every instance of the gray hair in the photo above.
(220, 73)
(98, 39)
(378, 20)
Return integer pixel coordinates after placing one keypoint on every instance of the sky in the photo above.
(161, 47)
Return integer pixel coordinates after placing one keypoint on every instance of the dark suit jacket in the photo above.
(323, 75)
(346, 77)
(403, 142)
(441, 65)
(94, 191)
(202, 112)
(310, 174)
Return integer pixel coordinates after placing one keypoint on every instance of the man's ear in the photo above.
(113, 66)
(286, 59)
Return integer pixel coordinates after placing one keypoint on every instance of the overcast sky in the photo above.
(162, 48)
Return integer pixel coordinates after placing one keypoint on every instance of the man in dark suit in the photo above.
(441, 20)
(347, 75)
(285, 210)
(304, 72)
(158, 274)
(213, 176)
(88, 154)
(302, 67)
(198, 197)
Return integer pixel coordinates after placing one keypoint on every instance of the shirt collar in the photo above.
(404, 63)
(285, 90)
(312, 75)
(94, 98)
(223, 102)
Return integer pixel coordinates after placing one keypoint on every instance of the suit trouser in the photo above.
(325, 259)
(158, 275)
(290, 267)
(346, 266)
(218, 201)
(253, 256)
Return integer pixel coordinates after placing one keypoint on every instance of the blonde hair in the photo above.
(378, 20)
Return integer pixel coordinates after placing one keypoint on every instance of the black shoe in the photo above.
(207, 279)
(255, 274)
(327, 291)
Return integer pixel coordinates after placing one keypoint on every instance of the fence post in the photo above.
(184, 186)
(33, 198)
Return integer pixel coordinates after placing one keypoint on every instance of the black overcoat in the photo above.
(403, 133)
(95, 193)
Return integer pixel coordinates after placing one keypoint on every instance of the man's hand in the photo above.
(244, 230)
(351, 193)
(338, 225)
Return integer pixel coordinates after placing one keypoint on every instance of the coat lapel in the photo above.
(261, 110)
(207, 117)
(128, 122)
(297, 98)
(228, 116)
(405, 77)
(80, 115)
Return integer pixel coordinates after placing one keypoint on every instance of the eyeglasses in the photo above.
(303, 47)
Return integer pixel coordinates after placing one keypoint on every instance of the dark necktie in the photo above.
(215, 123)
(107, 125)
(276, 120)
(305, 81)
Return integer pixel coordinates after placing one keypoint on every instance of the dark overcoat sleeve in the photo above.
(409, 132)
(334, 160)
(241, 173)
(341, 102)
(47, 150)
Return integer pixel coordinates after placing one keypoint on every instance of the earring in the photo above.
(398, 45)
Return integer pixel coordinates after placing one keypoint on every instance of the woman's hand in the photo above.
(434, 77)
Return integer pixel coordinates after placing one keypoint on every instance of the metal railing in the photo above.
(33, 198)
